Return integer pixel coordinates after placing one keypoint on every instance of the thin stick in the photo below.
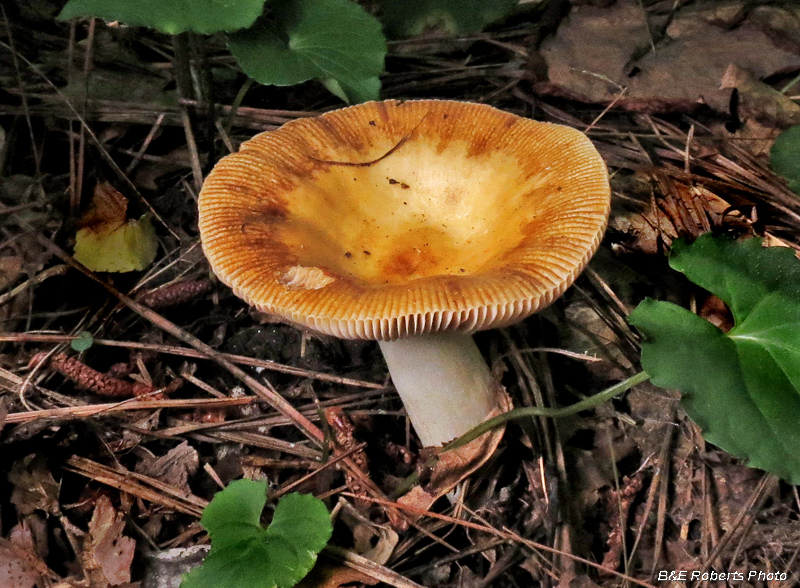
(266, 393)
(505, 534)
(106, 155)
(90, 410)
(146, 144)
(190, 353)
(24, 94)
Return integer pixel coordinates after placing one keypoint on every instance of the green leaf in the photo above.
(126, 247)
(362, 91)
(325, 39)
(784, 157)
(171, 16)
(741, 387)
(406, 19)
(82, 342)
(246, 555)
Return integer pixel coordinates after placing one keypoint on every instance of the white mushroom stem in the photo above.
(444, 383)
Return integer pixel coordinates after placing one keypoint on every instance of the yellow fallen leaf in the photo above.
(110, 242)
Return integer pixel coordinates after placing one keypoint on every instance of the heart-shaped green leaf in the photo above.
(246, 555)
(307, 39)
(741, 387)
(171, 16)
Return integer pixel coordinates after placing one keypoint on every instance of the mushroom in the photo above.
(415, 223)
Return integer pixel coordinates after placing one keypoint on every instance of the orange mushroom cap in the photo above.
(396, 218)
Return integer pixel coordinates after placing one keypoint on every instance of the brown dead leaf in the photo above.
(456, 465)
(759, 101)
(107, 554)
(373, 541)
(327, 574)
(173, 468)
(18, 559)
(34, 486)
(597, 52)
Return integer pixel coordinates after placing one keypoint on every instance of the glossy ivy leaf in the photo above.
(171, 16)
(403, 18)
(741, 387)
(332, 40)
(244, 554)
(784, 157)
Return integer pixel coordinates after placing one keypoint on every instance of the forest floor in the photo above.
(99, 487)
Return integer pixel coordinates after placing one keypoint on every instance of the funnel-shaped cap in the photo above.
(395, 218)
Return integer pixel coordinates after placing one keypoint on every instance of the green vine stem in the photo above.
(526, 412)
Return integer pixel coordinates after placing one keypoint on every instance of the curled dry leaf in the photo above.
(110, 242)
(456, 465)
(108, 554)
(373, 541)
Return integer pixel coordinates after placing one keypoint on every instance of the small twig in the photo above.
(56, 270)
(77, 189)
(106, 155)
(195, 354)
(139, 485)
(24, 95)
(289, 487)
(146, 144)
(91, 410)
(505, 534)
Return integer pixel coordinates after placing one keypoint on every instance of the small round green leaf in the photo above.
(784, 157)
(246, 555)
(324, 39)
(82, 342)
(171, 16)
(741, 387)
